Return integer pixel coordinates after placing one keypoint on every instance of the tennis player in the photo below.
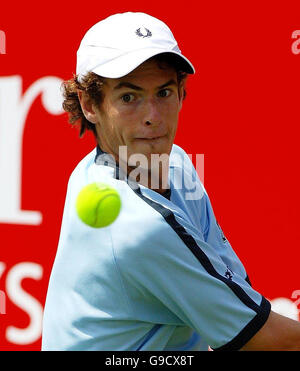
(163, 276)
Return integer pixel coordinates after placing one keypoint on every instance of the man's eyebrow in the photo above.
(170, 82)
(124, 84)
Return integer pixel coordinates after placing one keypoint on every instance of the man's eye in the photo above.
(164, 93)
(127, 98)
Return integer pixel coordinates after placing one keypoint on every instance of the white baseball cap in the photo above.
(118, 44)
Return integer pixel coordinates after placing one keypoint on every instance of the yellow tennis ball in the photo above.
(98, 205)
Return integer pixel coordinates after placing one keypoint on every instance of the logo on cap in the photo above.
(143, 32)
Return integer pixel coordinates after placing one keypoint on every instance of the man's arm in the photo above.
(278, 333)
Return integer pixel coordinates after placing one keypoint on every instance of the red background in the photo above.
(241, 112)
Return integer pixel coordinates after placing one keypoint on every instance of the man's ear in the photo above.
(181, 92)
(87, 107)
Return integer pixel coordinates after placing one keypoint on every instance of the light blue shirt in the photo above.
(161, 277)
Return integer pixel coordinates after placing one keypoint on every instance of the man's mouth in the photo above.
(150, 137)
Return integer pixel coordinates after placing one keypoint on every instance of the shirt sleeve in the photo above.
(172, 266)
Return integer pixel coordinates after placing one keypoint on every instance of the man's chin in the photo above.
(148, 147)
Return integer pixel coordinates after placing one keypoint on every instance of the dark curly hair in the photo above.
(92, 85)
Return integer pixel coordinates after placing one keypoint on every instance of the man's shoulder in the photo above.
(85, 162)
(177, 152)
(88, 171)
(180, 159)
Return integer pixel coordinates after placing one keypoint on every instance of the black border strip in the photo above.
(249, 330)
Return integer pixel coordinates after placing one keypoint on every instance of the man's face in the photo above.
(140, 111)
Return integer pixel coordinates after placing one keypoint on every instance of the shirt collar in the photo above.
(106, 159)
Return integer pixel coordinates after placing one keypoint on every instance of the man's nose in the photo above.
(152, 113)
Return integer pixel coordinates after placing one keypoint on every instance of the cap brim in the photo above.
(123, 65)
